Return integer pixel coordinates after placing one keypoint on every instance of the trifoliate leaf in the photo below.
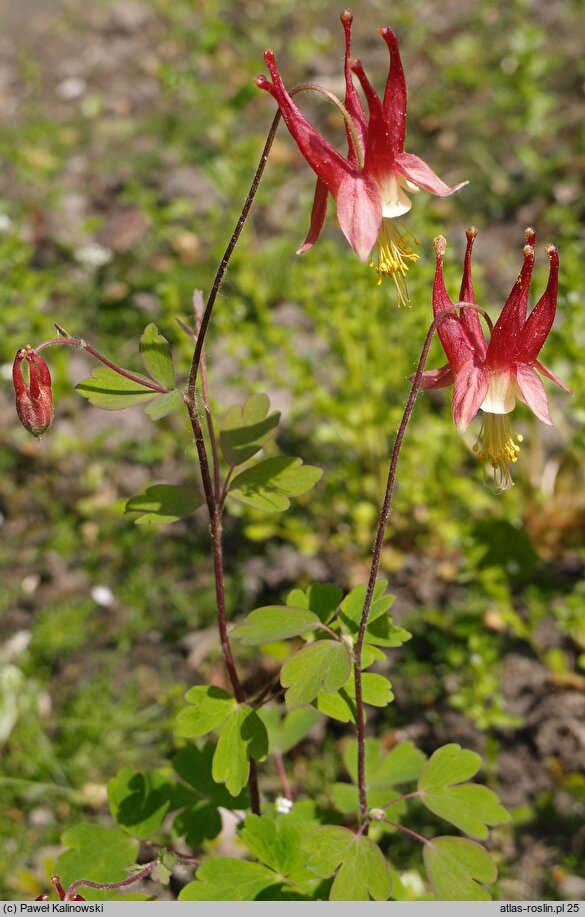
(208, 708)
(157, 357)
(225, 879)
(324, 665)
(110, 391)
(362, 871)
(274, 622)
(246, 429)
(269, 484)
(200, 822)
(275, 842)
(455, 867)
(242, 737)
(96, 853)
(470, 808)
(401, 765)
(163, 503)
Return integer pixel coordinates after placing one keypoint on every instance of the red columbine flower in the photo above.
(34, 399)
(370, 185)
(491, 376)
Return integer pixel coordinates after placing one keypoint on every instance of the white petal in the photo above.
(501, 394)
(394, 200)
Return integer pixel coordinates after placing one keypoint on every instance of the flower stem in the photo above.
(379, 543)
(136, 877)
(223, 264)
(83, 345)
(198, 310)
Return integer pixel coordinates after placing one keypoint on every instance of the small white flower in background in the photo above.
(103, 595)
(5, 222)
(283, 805)
(94, 255)
(30, 583)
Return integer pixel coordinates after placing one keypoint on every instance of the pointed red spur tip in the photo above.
(270, 56)
(553, 254)
(530, 235)
(528, 251)
(440, 244)
(471, 233)
(262, 82)
(346, 17)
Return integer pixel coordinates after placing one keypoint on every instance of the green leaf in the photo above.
(322, 598)
(324, 665)
(164, 404)
(363, 873)
(98, 854)
(198, 823)
(376, 691)
(157, 357)
(455, 866)
(274, 622)
(345, 797)
(137, 805)
(284, 732)
(269, 484)
(208, 708)
(383, 633)
(246, 429)
(275, 842)
(224, 879)
(194, 766)
(401, 765)
(352, 606)
(108, 390)
(243, 737)
(470, 808)
(162, 503)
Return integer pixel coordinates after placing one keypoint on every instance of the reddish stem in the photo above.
(379, 543)
(77, 342)
(198, 310)
(282, 775)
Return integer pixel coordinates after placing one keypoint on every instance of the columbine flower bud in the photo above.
(34, 400)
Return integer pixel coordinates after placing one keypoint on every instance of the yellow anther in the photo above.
(394, 255)
(499, 447)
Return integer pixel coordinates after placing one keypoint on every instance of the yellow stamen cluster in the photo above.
(394, 253)
(499, 447)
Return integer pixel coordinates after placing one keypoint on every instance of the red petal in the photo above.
(469, 391)
(328, 164)
(458, 349)
(359, 212)
(436, 378)
(417, 171)
(469, 317)
(379, 159)
(532, 391)
(505, 338)
(318, 214)
(395, 97)
(546, 372)
(353, 102)
(540, 320)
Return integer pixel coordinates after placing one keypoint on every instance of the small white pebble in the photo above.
(30, 583)
(103, 595)
(72, 88)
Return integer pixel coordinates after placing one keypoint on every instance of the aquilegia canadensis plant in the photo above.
(229, 740)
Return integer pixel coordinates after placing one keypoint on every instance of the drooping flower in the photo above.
(370, 185)
(34, 398)
(491, 376)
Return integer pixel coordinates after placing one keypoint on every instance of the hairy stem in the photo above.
(198, 310)
(379, 543)
(83, 345)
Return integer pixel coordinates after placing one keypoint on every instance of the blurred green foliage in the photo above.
(114, 206)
